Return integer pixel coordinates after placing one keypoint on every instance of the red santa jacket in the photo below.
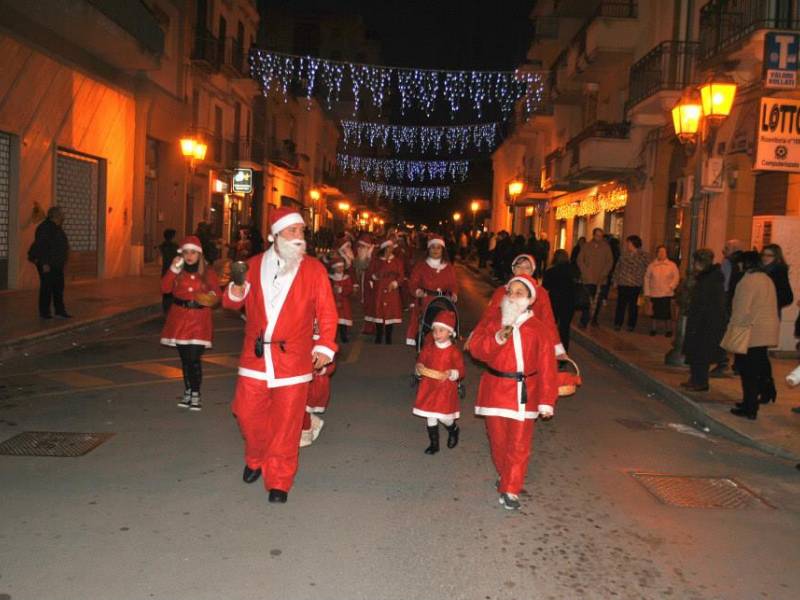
(439, 398)
(287, 324)
(342, 291)
(319, 390)
(527, 351)
(388, 307)
(188, 325)
(424, 276)
(542, 310)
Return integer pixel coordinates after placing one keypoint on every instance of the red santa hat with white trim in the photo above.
(283, 217)
(528, 282)
(528, 257)
(446, 319)
(387, 242)
(436, 239)
(337, 262)
(191, 242)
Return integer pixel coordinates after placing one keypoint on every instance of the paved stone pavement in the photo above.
(160, 511)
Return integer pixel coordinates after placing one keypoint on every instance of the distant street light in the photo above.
(314, 194)
(456, 217)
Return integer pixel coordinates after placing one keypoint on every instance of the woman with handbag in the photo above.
(753, 327)
(705, 322)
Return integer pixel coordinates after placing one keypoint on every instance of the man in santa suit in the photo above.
(362, 262)
(428, 278)
(525, 264)
(520, 383)
(284, 293)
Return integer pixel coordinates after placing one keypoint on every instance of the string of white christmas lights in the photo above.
(404, 192)
(420, 138)
(418, 88)
(412, 170)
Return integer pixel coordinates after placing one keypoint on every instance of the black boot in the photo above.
(389, 329)
(433, 436)
(766, 390)
(452, 435)
(343, 334)
(378, 333)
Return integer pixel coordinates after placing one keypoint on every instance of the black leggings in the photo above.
(192, 364)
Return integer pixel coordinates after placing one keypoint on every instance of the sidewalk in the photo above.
(777, 429)
(91, 303)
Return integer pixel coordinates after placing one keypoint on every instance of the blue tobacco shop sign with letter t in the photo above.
(781, 50)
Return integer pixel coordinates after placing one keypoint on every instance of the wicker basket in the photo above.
(568, 381)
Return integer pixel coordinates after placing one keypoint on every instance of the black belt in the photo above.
(435, 292)
(187, 303)
(516, 376)
(260, 343)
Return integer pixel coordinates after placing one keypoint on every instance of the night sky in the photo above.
(441, 34)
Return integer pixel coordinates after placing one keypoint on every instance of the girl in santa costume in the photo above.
(520, 383)
(387, 274)
(440, 365)
(343, 287)
(429, 278)
(194, 287)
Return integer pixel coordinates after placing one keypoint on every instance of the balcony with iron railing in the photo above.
(727, 25)
(601, 152)
(669, 67)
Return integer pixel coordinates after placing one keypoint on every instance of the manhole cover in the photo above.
(699, 492)
(52, 443)
(637, 425)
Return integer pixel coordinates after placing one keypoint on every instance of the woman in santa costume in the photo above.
(386, 274)
(363, 262)
(429, 278)
(189, 328)
(342, 291)
(519, 385)
(525, 264)
(284, 292)
(440, 365)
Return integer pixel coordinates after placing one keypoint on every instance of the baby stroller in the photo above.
(426, 320)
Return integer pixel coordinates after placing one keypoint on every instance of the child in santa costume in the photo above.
(319, 396)
(343, 288)
(520, 383)
(440, 365)
(387, 274)
(433, 276)
(284, 293)
(194, 288)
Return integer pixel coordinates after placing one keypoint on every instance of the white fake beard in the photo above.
(291, 252)
(512, 309)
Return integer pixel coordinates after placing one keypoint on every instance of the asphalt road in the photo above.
(160, 511)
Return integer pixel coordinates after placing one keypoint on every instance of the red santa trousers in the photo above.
(511, 443)
(270, 420)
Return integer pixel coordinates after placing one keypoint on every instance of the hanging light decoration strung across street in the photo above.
(405, 192)
(417, 88)
(420, 138)
(411, 170)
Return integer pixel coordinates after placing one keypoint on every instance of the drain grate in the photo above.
(52, 443)
(699, 492)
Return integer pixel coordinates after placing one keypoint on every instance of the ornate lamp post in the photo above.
(696, 118)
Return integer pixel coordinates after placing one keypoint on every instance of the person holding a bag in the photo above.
(660, 282)
(705, 323)
(753, 327)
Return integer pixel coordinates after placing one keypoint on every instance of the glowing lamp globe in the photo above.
(717, 95)
(686, 116)
(187, 147)
(515, 188)
(200, 150)
(314, 194)
(474, 206)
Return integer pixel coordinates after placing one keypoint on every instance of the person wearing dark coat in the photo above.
(576, 250)
(775, 266)
(49, 252)
(706, 319)
(561, 282)
(169, 250)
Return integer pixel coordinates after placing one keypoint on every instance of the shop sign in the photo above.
(781, 51)
(243, 181)
(778, 135)
(605, 199)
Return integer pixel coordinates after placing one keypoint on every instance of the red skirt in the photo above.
(187, 326)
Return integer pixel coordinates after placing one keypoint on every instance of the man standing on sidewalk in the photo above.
(49, 252)
(595, 262)
(629, 279)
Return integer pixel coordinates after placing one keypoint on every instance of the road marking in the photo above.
(154, 368)
(355, 352)
(76, 379)
(226, 360)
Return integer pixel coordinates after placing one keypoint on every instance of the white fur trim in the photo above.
(347, 322)
(527, 284)
(560, 349)
(323, 350)
(545, 410)
(443, 325)
(487, 411)
(387, 243)
(435, 415)
(387, 321)
(411, 342)
(194, 247)
(293, 218)
(275, 383)
(234, 298)
(443, 345)
(315, 409)
(436, 241)
(172, 342)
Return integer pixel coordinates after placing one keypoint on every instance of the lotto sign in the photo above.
(243, 181)
(778, 135)
(780, 60)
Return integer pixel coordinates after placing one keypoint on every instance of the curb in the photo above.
(54, 337)
(683, 405)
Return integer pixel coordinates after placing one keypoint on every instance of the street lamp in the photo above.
(456, 217)
(474, 206)
(515, 188)
(696, 124)
(314, 194)
(192, 149)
